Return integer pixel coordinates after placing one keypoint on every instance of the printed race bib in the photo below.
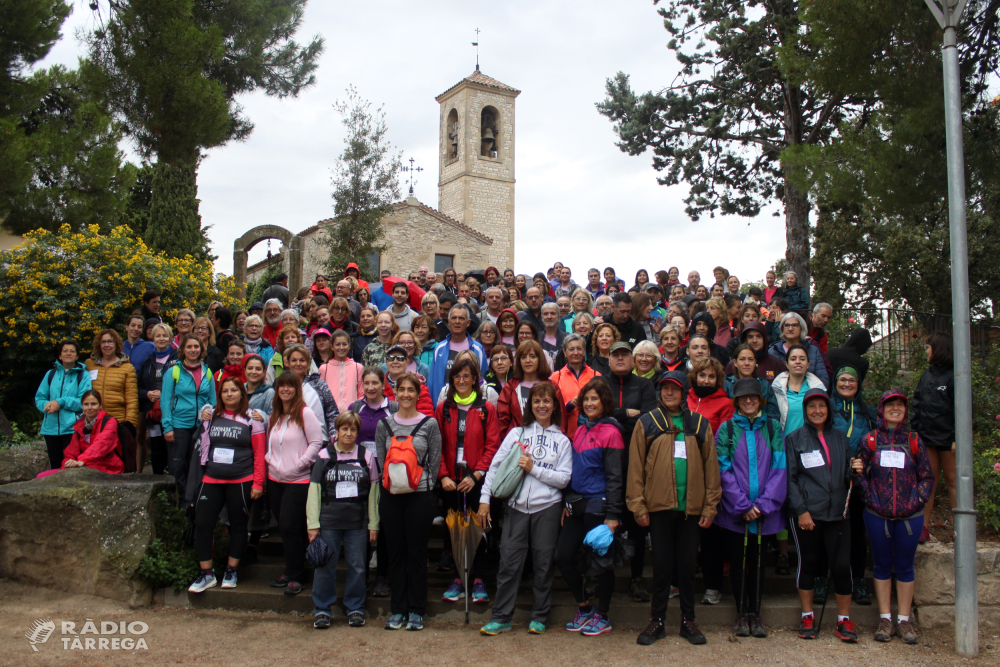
(812, 459)
(890, 459)
(347, 490)
(680, 449)
(93, 375)
(460, 455)
(223, 455)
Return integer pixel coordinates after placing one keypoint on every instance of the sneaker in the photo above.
(781, 568)
(757, 628)
(454, 593)
(907, 632)
(580, 620)
(807, 627)
(598, 625)
(395, 622)
(536, 628)
(321, 622)
(280, 582)
(690, 632)
(479, 593)
(638, 590)
(438, 521)
(925, 534)
(860, 594)
(884, 632)
(356, 619)
(741, 628)
(415, 622)
(674, 592)
(652, 634)
(381, 588)
(373, 562)
(206, 579)
(493, 628)
(712, 596)
(819, 592)
(229, 578)
(293, 588)
(447, 562)
(847, 631)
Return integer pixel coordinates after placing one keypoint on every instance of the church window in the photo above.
(451, 144)
(442, 262)
(490, 133)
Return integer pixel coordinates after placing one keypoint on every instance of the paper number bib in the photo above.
(680, 449)
(812, 459)
(890, 459)
(347, 490)
(222, 455)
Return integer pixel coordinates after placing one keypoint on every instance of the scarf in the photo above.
(468, 400)
(253, 346)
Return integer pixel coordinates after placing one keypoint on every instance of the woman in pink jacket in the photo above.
(341, 373)
(294, 440)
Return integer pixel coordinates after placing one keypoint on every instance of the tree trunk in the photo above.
(797, 233)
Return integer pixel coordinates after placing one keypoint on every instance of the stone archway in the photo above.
(293, 244)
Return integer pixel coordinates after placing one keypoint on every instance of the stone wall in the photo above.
(934, 594)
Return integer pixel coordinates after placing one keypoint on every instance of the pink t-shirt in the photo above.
(826, 449)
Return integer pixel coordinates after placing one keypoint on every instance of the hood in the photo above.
(78, 426)
(754, 326)
(604, 421)
(78, 366)
(354, 266)
(860, 341)
(813, 393)
(512, 312)
(706, 318)
(892, 393)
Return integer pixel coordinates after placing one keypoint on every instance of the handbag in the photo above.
(509, 477)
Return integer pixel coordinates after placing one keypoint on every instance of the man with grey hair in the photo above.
(551, 336)
(343, 289)
(272, 321)
(494, 304)
(605, 308)
(822, 312)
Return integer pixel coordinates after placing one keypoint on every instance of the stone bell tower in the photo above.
(476, 184)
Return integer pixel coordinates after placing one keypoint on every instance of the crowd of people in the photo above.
(717, 421)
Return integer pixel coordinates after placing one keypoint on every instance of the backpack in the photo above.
(446, 413)
(657, 430)
(914, 444)
(126, 445)
(402, 470)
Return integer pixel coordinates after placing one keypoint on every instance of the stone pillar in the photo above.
(296, 253)
(240, 270)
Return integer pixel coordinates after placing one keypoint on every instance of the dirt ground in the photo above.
(180, 636)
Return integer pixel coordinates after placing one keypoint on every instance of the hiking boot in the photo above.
(536, 628)
(847, 631)
(652, 634)
(322, 621)
(454, 593)
(674, 592)
(395, 622)
(447, 562)
(690, 632)
(741, 628)
(884, 632)
(712, 596)
(229, 578)
(493, 628)
(757, 628)
(907, 632)
(206, 579)
(381, 588)
(807, 627)
(860, 594)
(781, 568)
(415, 622)
(819, 592)
(356, 619)
(479, 593)
(293, 588)
(580, 620)
(598, 625)
(280, 582)
(638, 590)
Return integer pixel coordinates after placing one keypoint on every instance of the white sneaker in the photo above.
(205, 580)
(712, 596)
(373, 563)
(438, 521)
(229, 578)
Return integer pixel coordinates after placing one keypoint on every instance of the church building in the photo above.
(473, 224)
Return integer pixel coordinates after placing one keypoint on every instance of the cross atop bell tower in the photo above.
(476, 183)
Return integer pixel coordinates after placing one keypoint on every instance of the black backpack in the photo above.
(126, 444)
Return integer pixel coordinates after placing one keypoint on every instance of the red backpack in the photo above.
(402, 470)
(914, 445)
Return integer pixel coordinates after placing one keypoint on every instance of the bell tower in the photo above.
(476, 184)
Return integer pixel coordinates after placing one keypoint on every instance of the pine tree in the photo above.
(174, 222)
(365, 186)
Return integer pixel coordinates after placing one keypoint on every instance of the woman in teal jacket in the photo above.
(58, 398)
(187, 386)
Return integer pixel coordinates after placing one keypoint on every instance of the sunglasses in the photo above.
(395, 357)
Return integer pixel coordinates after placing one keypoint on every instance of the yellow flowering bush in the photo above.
(73, 284)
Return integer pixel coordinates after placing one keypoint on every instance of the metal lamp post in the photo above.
(948, 14)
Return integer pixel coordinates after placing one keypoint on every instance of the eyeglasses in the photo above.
(340, 309)
(201, 328)
(791, 325)
(184, 320)
(847, 380)
(395, 357)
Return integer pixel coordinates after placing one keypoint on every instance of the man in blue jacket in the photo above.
(446, 351)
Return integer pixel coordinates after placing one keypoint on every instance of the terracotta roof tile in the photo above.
(483, 80)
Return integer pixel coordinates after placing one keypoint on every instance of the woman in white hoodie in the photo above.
(534, 514)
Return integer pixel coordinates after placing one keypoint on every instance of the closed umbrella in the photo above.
(466, 533)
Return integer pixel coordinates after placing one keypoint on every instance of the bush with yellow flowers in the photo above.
(73, 284)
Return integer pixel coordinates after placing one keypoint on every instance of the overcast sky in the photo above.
(578, 198)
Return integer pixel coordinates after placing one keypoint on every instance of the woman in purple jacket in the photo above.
(754, 482)
(895, 472)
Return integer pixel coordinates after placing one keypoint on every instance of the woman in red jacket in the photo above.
(95, 439)
(530, 368)
(396, 360)
(470, 436)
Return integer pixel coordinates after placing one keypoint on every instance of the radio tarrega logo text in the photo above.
(92, 636)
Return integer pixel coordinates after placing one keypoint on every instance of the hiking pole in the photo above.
(760, 580)
(836, 550)
(741, 610)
